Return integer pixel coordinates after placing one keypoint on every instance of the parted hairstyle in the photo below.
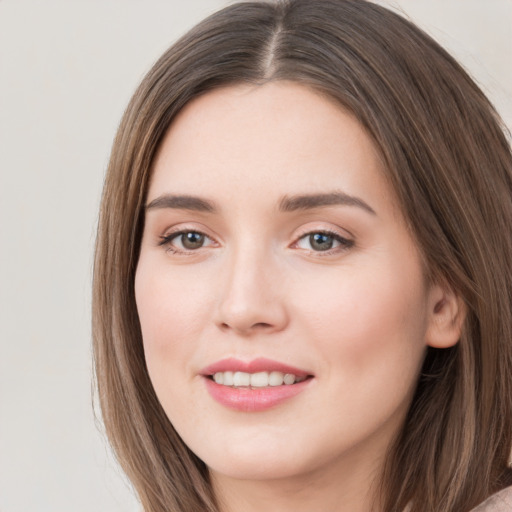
(447, 156)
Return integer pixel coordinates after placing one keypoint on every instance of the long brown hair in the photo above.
(446, 156)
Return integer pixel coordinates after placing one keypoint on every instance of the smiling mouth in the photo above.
(263, 379)
(254, 386)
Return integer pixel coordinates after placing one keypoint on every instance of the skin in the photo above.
(358, 317)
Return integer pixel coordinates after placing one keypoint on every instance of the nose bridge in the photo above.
(250, 300)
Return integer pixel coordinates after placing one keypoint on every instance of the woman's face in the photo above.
(273, 246)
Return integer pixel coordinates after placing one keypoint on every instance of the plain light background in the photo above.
(67, 70)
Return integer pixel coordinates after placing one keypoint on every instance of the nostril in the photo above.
(261, 325)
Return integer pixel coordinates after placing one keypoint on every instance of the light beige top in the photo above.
(500, 502)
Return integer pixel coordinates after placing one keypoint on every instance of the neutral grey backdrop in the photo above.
(67, 70)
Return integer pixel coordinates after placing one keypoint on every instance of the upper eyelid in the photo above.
(307, 230)
(178, 232)
(185, 227)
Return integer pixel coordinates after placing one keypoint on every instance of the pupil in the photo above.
(321, 241)
(192, 240)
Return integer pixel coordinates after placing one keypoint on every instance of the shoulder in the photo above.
(499, 502)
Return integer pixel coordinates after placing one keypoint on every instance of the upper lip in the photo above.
(256, 365)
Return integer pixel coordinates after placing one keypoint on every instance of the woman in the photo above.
(303, 278)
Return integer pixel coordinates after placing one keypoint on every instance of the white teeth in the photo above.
(289, 379)
(241, 379)
(259, 380)
(255, 380)
(275, 378)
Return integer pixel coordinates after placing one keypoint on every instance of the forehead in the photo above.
(275, 139)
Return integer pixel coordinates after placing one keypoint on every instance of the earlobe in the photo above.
(447, 312)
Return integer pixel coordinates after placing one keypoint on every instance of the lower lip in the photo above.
(253, 399)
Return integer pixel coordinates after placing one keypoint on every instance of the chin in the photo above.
(258, 468)
(285, 458)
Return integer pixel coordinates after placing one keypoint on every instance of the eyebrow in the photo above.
(286, 204)
(182, 202)
(311, 201)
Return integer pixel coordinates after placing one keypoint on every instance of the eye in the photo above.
(184, 241)
(323, 241)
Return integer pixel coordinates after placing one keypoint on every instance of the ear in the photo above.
(447, 312)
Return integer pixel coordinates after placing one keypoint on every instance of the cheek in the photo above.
(171, 313)
(372, 322)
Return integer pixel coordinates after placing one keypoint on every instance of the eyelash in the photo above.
(344, 243)
(166, 240)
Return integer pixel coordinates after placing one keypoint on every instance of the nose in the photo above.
(252, 298)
